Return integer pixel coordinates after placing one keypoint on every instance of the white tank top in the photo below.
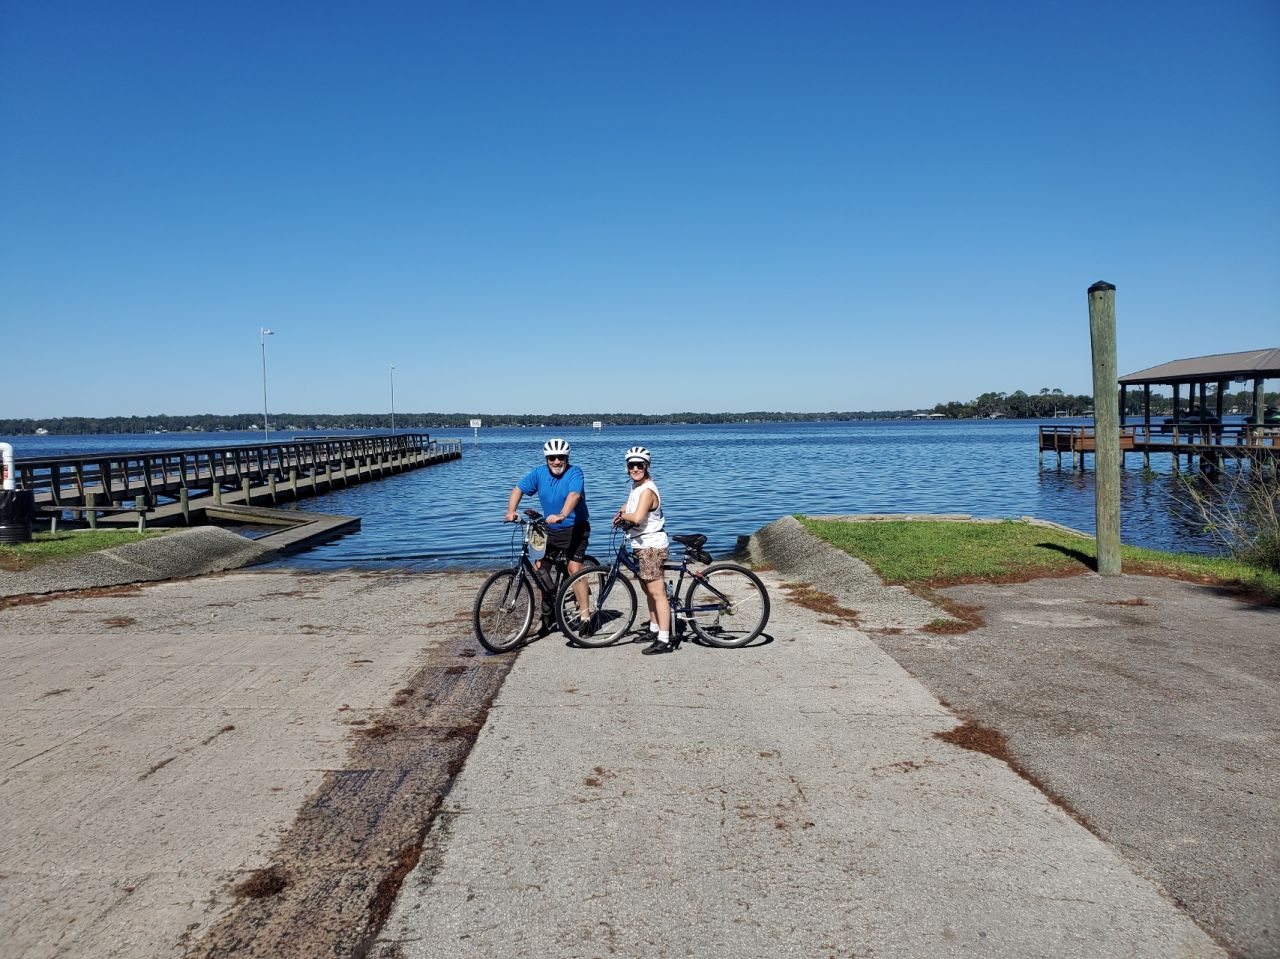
(649, 534)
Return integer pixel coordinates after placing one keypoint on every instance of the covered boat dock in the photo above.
(1194, 430)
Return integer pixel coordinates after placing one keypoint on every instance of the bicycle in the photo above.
(504, 606)
(726, 605)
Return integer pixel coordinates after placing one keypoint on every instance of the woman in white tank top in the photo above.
(643, 510)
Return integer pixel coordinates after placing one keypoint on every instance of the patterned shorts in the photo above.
(650, 561)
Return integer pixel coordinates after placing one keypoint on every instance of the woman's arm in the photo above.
(647, 502)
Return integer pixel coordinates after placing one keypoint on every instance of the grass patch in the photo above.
(944, 626)
(45, 547)
(928, 553)
(805, 595)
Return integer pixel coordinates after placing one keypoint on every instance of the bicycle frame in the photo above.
(626, 558)
(520, 584)
(531, 571)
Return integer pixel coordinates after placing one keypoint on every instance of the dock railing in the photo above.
(1167, 436)
(1211, 440)
(284, 468)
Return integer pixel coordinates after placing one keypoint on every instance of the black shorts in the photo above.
(571, 541)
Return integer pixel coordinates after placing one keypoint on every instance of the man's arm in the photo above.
(570, 502)
(512, 502)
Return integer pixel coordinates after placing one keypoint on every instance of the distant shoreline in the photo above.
(410, 424)
(1046, 405)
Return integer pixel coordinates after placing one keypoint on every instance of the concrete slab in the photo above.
(130, 806)
(761, 802)
(1153, 707)
(189, 552)
(789, 798)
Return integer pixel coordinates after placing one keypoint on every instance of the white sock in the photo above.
(653, 627)
(663, 636)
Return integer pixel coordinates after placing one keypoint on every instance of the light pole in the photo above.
(393, 397)
(263, 333)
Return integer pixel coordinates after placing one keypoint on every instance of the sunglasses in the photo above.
(557, 459)
(635, 466)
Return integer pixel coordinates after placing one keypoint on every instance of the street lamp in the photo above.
(263, 333)
(393, 397)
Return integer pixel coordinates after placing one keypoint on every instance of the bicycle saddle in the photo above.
(692, 540)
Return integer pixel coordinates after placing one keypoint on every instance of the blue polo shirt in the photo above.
(553, 492)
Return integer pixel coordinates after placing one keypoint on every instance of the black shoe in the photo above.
(656, 647)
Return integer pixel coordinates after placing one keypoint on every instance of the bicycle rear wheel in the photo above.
(609, 616)
(503, 611)
(728, 606)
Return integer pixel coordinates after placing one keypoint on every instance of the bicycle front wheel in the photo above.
(503, 611)
(728, 606)
(609, 612)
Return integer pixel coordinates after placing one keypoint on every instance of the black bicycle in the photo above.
(726, 605)
(502, 616)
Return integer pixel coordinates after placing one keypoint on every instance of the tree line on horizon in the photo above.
(310, 422)
(1017, 405)
(1051, 402)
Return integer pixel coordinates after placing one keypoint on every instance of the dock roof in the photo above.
(1264, 364)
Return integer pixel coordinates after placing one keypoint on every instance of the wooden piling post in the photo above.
(244, 488)
(1106, 456)
(184, 503)
(140, 504)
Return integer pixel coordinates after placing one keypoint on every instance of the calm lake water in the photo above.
(721, 480)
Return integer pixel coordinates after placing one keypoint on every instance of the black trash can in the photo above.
(17, 510)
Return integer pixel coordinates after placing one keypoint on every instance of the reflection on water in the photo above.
(1154, 511)
(721, 480)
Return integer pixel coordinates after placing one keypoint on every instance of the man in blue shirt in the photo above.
(562, 491)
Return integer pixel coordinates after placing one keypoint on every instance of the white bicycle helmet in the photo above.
(638, 453)
(555, 447)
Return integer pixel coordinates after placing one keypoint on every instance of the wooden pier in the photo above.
(1194, 433)
(1208, 444)
(166, 484)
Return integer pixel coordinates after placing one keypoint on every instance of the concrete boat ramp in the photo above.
(280, 764)
(786, 800)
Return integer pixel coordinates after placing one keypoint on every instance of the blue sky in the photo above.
(607, 207)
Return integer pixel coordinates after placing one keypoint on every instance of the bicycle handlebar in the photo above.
(534, 519)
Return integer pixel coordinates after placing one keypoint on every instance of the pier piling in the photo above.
(1106, 456)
